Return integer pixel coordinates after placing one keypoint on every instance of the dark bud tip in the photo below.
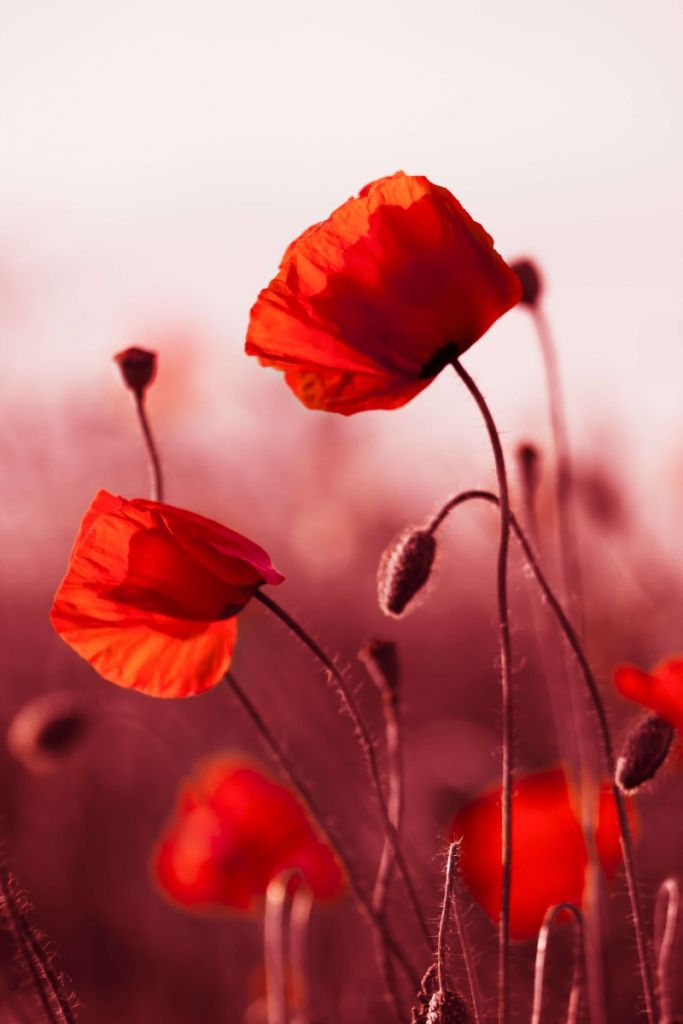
(529, 463)
(646, 749)
(404, 569)
(530, 280)
(380, 658)
(447, 1008)
(138, 368)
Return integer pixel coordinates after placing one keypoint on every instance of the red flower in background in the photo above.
(548, 849)
(660, 689)
(151, 594)
(371, 304)
(233, 830)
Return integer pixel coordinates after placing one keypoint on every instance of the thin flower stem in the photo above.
(608, 749)
(287, 768)
(443, 923)
(299, 927)
(569, 558)
(156, 476)
(35, 958)
(669, 894)
(465, 946)
(578, 968)
(278, 895)
(507, 695)
(365, 741)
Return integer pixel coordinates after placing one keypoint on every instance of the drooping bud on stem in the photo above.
(404, 569)
(380, 658)
(447, 1008)
(46, 730)
(530, 280)
(646, 749)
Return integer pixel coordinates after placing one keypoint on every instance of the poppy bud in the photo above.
(447, 1008)
(404, 569)
(138, 368)
(46, 730)
(645, 751)
(530, 280)
(380, 657)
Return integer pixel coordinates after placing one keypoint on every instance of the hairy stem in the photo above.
(669, 894)
(507, 695)
(605, 735)
(361, 730)
(288, 770)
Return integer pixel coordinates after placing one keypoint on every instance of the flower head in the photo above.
(548, 848)
(151, 594)
(233, 830)
(372, 303)
(660, 690)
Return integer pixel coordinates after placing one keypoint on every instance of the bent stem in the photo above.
(156, 476)
(286, 767)
(669, 895)
(299, 924)
(507, 696)
(361, 730)
(577, 970)
(279, 894)
(605, 735)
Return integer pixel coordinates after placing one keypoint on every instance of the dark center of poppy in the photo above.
(440, 359)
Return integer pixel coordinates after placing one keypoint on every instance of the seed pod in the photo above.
(645, 751)
(404, 569)
(447, 1008)
(138, 368)
(530, 280)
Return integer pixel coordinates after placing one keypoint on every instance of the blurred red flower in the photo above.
(548, 848)
(371, 304)
(151, 594)
(660, 689)
(233, 829)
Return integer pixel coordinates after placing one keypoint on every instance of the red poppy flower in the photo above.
(233, 829)
(151, 594)
(548, 849)
(660, 689)
(371, 304)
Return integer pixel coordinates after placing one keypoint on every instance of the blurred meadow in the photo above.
(157, 159)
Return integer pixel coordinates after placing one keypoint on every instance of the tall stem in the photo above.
(287, 768)
(278, 894)
(156, 476)
(299, 925)
(365, 741)
(577, 970)
(669, 894)
(605, 735)
(507, 696)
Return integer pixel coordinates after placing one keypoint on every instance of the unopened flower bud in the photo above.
(138, 368)
(645, 751)
(380, 658)
(530, 279)
(404, 569)
(447, 1008)
(46, 730)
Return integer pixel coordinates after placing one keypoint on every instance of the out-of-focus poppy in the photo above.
(233, 830)
(548, 848)
(151, 594)
(660, 689)
(371, 304)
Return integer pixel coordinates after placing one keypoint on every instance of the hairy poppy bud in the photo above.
(46, 730)
(443, 1008)
(138, 368)
(530, 280)
(380, 658)
(404, 569)
(645, 751)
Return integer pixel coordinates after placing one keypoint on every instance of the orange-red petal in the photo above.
(659, 690)
(366, 302)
